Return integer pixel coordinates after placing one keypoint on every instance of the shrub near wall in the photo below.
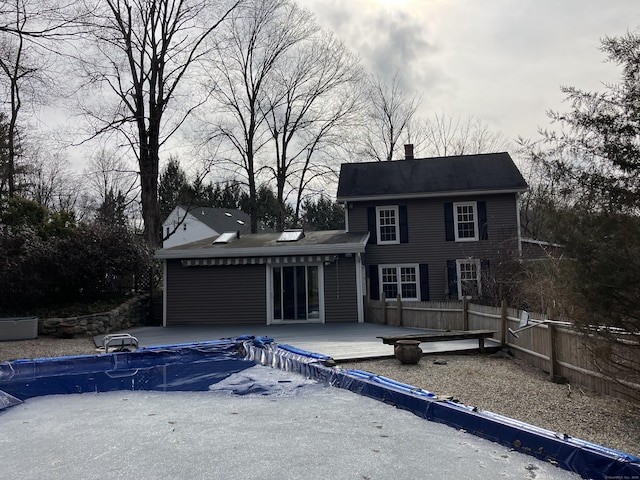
(83, 264)
(132, 313)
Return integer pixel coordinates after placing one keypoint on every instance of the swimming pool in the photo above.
(228, 365)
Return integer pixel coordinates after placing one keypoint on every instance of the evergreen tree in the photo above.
(228, 195)
(268, 208)
(594, 168)
(323, 215)
(174, 188)
(112, 210)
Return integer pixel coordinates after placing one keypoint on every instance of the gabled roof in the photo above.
(427, 177)
(328, 242)
(220, 219)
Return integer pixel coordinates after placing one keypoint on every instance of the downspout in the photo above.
(359, 289)
(270, 299)
(346, 216)
(519, 225)
(164, 293)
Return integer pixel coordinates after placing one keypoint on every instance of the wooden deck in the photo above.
(341, 341)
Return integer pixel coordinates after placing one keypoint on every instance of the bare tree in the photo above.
(108, 172)
(11, 66)
(391, 111)
(47, 19)
(23, 64)
(258, 37)
(314, 93)
(146, 48)
(50, 182)
(443, 136)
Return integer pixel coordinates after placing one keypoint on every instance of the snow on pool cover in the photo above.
(207, 411)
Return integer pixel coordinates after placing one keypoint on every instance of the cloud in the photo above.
(500, 61)
(386, 39)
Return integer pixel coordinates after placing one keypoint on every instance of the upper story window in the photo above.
(387, 224)
(465, 218)
(465, 221)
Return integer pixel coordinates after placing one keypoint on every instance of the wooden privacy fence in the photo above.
(554, 347)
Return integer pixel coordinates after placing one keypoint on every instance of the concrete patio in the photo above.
(341, 341)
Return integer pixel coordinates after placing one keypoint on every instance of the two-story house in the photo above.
(423, 229)
(435, 224)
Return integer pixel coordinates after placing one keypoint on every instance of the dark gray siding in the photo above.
(340, 291)
(215, 295)
(427, 241)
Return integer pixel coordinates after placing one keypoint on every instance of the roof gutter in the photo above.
(278, 251)
(401, 196)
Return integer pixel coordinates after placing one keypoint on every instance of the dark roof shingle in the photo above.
(430, 176)
(221, 219)
(260, 244)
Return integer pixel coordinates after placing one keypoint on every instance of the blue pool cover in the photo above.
(196, 366)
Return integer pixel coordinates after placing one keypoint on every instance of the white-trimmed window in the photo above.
(387, 224)
(469, 281)
(400, 279)
(465, 218)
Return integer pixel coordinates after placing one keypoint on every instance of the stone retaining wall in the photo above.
(134, 312)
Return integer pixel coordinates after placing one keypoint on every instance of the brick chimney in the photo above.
(408, 151)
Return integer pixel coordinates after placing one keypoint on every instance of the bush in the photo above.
(87, 263)
(23, 254)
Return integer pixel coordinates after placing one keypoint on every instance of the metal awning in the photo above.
(286, 260)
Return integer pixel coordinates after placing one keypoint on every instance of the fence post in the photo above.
(383, 299)
(399, 307)
(503, 323)
(465, 313)
(553, 355)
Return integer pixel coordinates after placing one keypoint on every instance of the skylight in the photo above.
(227, 237)
(291, 235)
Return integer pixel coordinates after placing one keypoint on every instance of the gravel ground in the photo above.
(490, 382)
(43, 347)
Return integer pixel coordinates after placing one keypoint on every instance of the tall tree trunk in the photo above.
(149, 198)
(253, 191)
(280, 186)
(159, 40)
(149, 162)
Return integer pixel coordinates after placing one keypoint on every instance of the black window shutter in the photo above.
(448, 222)
(424, 282)
(452, 279)
(374, 284)
(482, 220)
(404, 224)
(371, 224)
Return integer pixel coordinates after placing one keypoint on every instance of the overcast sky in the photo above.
(502, 61)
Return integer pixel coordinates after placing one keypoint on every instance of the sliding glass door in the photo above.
(296, 293)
